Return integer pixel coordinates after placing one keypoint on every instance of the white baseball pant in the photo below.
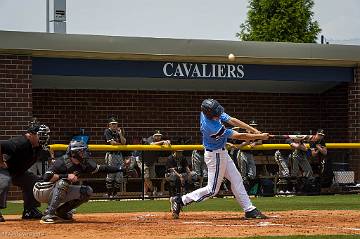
(220, 165)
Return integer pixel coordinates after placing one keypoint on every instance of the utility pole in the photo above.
(47, 16)
(56, 16)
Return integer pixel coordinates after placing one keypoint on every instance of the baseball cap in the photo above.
(157, 133)
(321, 132)
(113, 120)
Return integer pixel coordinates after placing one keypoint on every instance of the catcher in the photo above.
(60, 188)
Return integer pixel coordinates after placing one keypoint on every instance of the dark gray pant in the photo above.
(114, 180)
(247, 164)
(25, 181)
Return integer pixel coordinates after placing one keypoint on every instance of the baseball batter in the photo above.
(218, 161)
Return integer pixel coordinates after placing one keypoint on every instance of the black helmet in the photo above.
(76, 147)
(211, 108)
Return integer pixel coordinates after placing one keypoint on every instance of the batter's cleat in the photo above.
(255, 214)
(32, 213)
(2, 219)
(175, 205)
(49, 219)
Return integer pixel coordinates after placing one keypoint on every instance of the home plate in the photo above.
(195, 222)
(265, 224)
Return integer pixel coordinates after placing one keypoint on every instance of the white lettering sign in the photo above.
(193, 70)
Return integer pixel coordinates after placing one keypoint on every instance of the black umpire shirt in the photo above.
(20, 155)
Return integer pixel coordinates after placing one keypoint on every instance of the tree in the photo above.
(280, 21)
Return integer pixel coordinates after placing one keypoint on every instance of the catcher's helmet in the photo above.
(78, 149)
(211, 108)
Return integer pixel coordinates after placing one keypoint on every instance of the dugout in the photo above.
(77, 81)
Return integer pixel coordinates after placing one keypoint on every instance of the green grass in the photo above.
(332, 202)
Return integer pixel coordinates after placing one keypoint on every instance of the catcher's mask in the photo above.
(78, 150)
(211, 108)
(42, 131)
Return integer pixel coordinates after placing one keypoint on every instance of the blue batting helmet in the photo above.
(211, 108)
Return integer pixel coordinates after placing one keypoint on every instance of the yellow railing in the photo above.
(140, 147)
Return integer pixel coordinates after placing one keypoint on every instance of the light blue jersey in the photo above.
(214, 132)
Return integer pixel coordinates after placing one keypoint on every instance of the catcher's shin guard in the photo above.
(64, 211)
(58, 196)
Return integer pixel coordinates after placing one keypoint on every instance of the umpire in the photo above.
(17, 155)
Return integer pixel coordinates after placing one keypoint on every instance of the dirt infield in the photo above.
(191, 224)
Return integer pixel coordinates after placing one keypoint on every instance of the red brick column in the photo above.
(15, 94)
(15, 193)
(15, 100)
(354, 121)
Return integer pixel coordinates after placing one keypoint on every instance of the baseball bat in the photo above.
(291, 136)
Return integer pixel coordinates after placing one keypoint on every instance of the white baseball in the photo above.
(231, 57)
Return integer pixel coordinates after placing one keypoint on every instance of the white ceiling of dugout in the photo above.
(249, 55)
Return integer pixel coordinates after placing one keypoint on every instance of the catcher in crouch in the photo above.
(60, 188)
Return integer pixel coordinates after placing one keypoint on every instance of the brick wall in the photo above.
(334, 113)
(15, 94)
(354, 120)
(176, 113)
(15, 193)
(15, 100)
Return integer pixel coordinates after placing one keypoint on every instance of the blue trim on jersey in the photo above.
(219, 133)
(213, 189)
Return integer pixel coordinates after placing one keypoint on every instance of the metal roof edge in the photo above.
(167, 49)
